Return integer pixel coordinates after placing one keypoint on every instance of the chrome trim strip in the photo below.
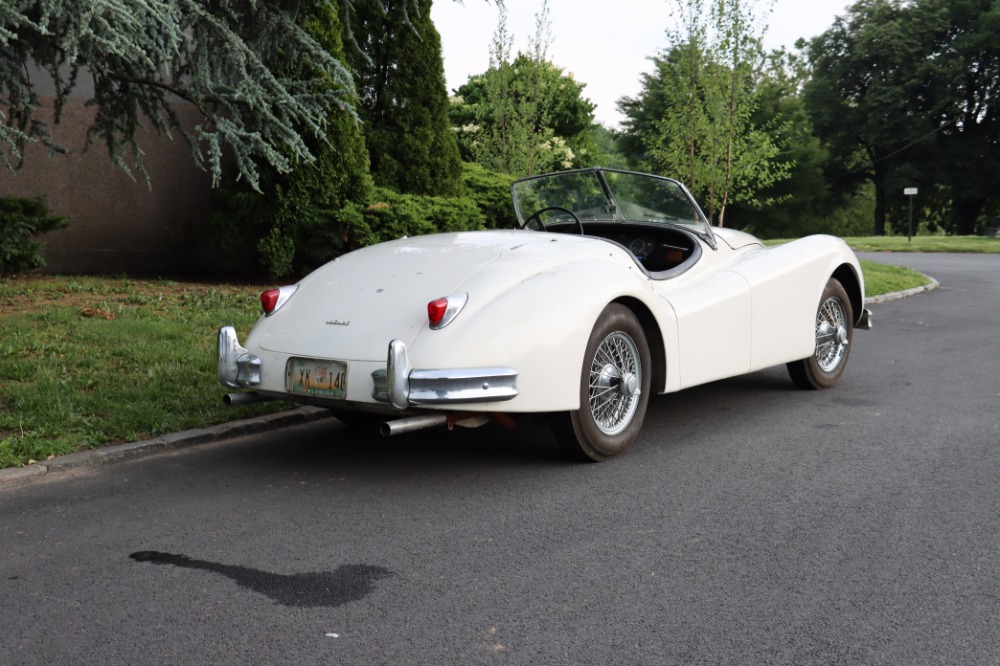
(238, 368)
(436, 387)
(401, 386)
(456, 303)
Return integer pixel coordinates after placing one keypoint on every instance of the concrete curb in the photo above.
(169, 442)
(895, 296)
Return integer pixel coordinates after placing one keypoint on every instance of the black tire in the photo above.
(614, 389)
(834, 333)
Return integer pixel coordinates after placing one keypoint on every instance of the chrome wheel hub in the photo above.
(615, 381)
(832, 337)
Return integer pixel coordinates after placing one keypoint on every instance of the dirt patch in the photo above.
(95, 296)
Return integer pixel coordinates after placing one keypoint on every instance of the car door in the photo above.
(714, 314)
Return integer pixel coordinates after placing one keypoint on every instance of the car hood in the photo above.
(736, 239)
(353, 306)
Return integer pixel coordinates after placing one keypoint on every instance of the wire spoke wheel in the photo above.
(831, 334)
(615, 376)
(834, 331)
(614, 389)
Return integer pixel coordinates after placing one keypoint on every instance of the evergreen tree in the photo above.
(220, 56)
(303, 217)
(399, 75)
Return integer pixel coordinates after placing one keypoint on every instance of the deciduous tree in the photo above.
(707, 80)
(863, 73)
(524, 115)
(905, 93)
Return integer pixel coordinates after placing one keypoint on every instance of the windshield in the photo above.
(605, 195)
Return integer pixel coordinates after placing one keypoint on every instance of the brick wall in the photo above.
(118, 224)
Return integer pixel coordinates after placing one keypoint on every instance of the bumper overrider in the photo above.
(398, 384)
(238, 368)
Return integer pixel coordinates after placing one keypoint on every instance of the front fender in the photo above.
(787, 282)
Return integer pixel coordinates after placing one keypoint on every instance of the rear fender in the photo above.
(540, 327)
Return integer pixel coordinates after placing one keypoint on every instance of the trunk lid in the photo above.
(353, 306)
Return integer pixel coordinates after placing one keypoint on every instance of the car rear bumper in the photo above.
(397, 384)
(238, 368)
(401, 385)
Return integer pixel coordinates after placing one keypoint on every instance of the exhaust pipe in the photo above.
(248, 398)
(450, 419)
(399, 426)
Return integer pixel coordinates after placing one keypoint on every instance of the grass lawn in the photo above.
(884, 279)
(961, 244)
(91, 361)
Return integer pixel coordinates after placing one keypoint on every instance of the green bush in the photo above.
(394, 215)
(491, 192)
(22, 223)
(291, 240)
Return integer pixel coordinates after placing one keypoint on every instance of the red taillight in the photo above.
(441, 311)
(269, 299)
(436, 310)
(272, 299)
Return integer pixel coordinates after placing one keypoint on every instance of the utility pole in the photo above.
(910, 192)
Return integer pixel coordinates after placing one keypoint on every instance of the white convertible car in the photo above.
(615, 287)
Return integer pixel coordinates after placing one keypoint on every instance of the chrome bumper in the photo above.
(865, 321)
(238, 368)
(397, 384)
(401, 386)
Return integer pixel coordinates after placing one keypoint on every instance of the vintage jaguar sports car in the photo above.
(615, 287)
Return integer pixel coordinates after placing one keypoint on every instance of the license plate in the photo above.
(306, 376)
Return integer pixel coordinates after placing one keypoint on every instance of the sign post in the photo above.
(910, 192)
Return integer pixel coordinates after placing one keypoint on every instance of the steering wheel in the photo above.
(537, 215)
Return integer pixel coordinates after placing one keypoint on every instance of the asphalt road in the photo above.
(752, 523)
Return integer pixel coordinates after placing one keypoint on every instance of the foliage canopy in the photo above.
(696, 117)
(140, 56)
(904, 94)
(403, 99)
(298, 219)
(524, 115)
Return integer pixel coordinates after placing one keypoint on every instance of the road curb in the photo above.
(170, 442)
(896, 295)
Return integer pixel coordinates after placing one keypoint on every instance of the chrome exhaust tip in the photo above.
(248, 398)
(400, 426)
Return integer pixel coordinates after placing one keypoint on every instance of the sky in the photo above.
(605, 44)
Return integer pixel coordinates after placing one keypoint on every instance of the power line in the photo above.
(915, 142)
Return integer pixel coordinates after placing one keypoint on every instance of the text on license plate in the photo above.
(308, 376)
